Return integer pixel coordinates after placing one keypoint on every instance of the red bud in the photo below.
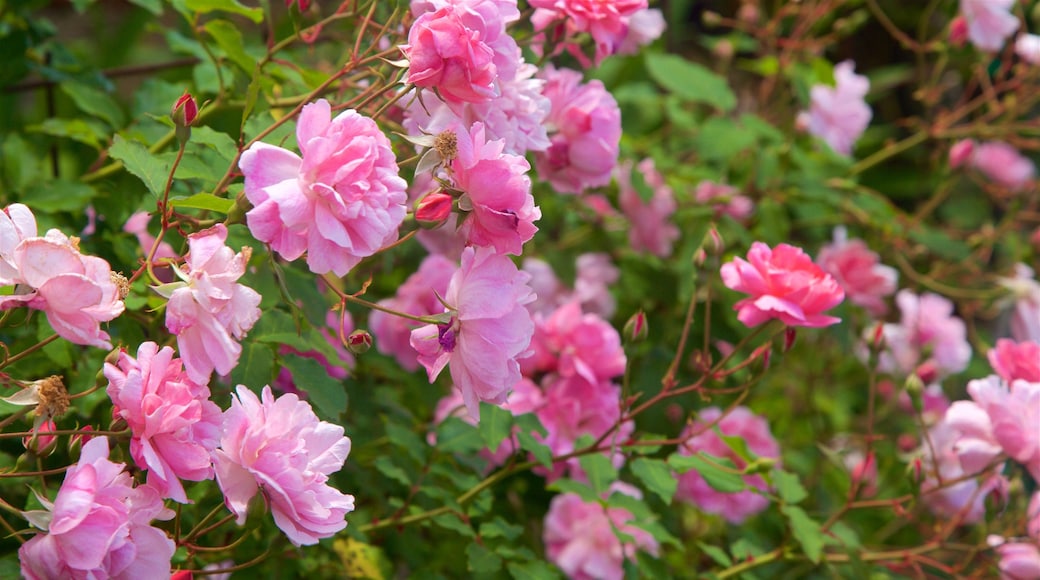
(433, 209)
(359, 341)
(184, 110)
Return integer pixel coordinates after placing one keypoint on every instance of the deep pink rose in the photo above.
(570, 342)
(650, 226)
(175, 426)
(990, 22)
(1014, 361)
(279, 448)
(606, 22)
(488, 328)
(839, 114)
(859, 271)
(784, 284)
(342, 202)
(740, 422)
(445, 54)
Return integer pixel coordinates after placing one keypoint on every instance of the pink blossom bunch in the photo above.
(998, 161)
(174, 425)
(488, 328)
(859, 271)
(1025, 312)
(341, 202)
(606, 22)
(700, 437)
(946, 486)
(990, 22)
(784, 284)
(582, 537)
(929, 338)
(208, 309)
(499, 210)
(418, 296)
(1001, 418)
(585, 136)
(726, 200)
(650, 226)
(76, 292)
(99, 525)
(279, 448)
(336, 326)
(569, 342)
(596, 273)
(839, 114)
(1016, 360)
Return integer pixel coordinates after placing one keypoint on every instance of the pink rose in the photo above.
(1014, 361)
(990, 22)
(582, 538)
(1003, 164)
(1014, 414)
(17, 223)
(859, 272)
(740, 422)
(570, 343)
(927, 325)
(1027, 47)
(726, 200)
(488, 328)
(1025, 313)
(941, 460)
(443, 53)
(961, 152)
(596, 274)
(209, 310)
(606, 22)
(584, 148)
(784, 284)
(279, 448)
(839, 115)
(342, 202)
(1019, 561)
(174, 425)
(650, 227)
(99, 525)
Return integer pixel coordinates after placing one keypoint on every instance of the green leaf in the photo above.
(806, 531)
(690, 80)
(229, 38)
(95, 102)
(656, 476)
(541, 452)
(454, 522)
(499, 528)
(80, 130)
(789, 486)
(457, 436)
(255, 366)
(153, 6)
(206, 201)
(495, 425)
(718, 554)
(407, 439)
(600, 471)
(482, 560)
(529, 423)
(327, 395)
(576, 487)
(386, 466)
(61, 195)
(205, 6)
(533, 570)
(940, 243)
(715, 470)
(142, 163)
(720, 139)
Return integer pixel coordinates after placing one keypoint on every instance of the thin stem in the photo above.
(28, 351)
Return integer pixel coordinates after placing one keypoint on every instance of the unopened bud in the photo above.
(184, 110)
(304, 5)
(636, 329)
(711, 18)
(700, 256)
(748, 13)
(76, 441)
(433, 209)
(41, 445)
(958, 31)
(760, 465)
(724, 49)
(359, 341)
(914, 387)
(717, 243)
(961, 152)
(879, 335)
(790, 334)
(927, 371)
(916, 470)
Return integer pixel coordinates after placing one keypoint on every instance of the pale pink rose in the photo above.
(1014, 414)
(606, 22)
(859, 270)
(569, 342)
(700, 437)
(961, 152)
(974, 445)
(1019, 561)
(342, 202)
(587, 122)
(548, 289)
(279, 448)
(726, 200)
(336, 326)
(486, 21)
(1025, 313)
(934, 403)
(582, 538)
(596, 274)
(1027, 47)
(839, 114)
(209, 309)
(784, 284)
(445, 54)
(644, 27)
(76, 292)
(137, 224)
(17, 223)
(99, 525)
(1003, 164)
(928, 327)
(174, 425)
(650, 228)
(488, 329)
(956, 495)
(1014, 361)
(990, 22)
(499, 210)
(418, 296)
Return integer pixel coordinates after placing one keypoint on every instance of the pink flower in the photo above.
(548, 289)
(927, 325)
(1025, 314)
(859, 272)
(596, 274)
(137, 224)
(650, 230)
(280, 448)
(175, 426)
(1003, 164)
(644, 27)
(496, 193)
(587, 123)
(961, 152)
(582, 537)
(488, 328)
(839, 115)
(342, 202)
(445, 54)
(700, 437)
(1027, 47)
(570, 343)
(418, 296)
(76, 292)
(1019, 561)
(726, 199)
(208, 310)
(956, 495)
(1014, 413)
(990, 22)
(1014, 361)
(99, 525)
(606, 22)
(784, 284)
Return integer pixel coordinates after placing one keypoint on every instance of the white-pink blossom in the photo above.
(990, 22)
(839, 114)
